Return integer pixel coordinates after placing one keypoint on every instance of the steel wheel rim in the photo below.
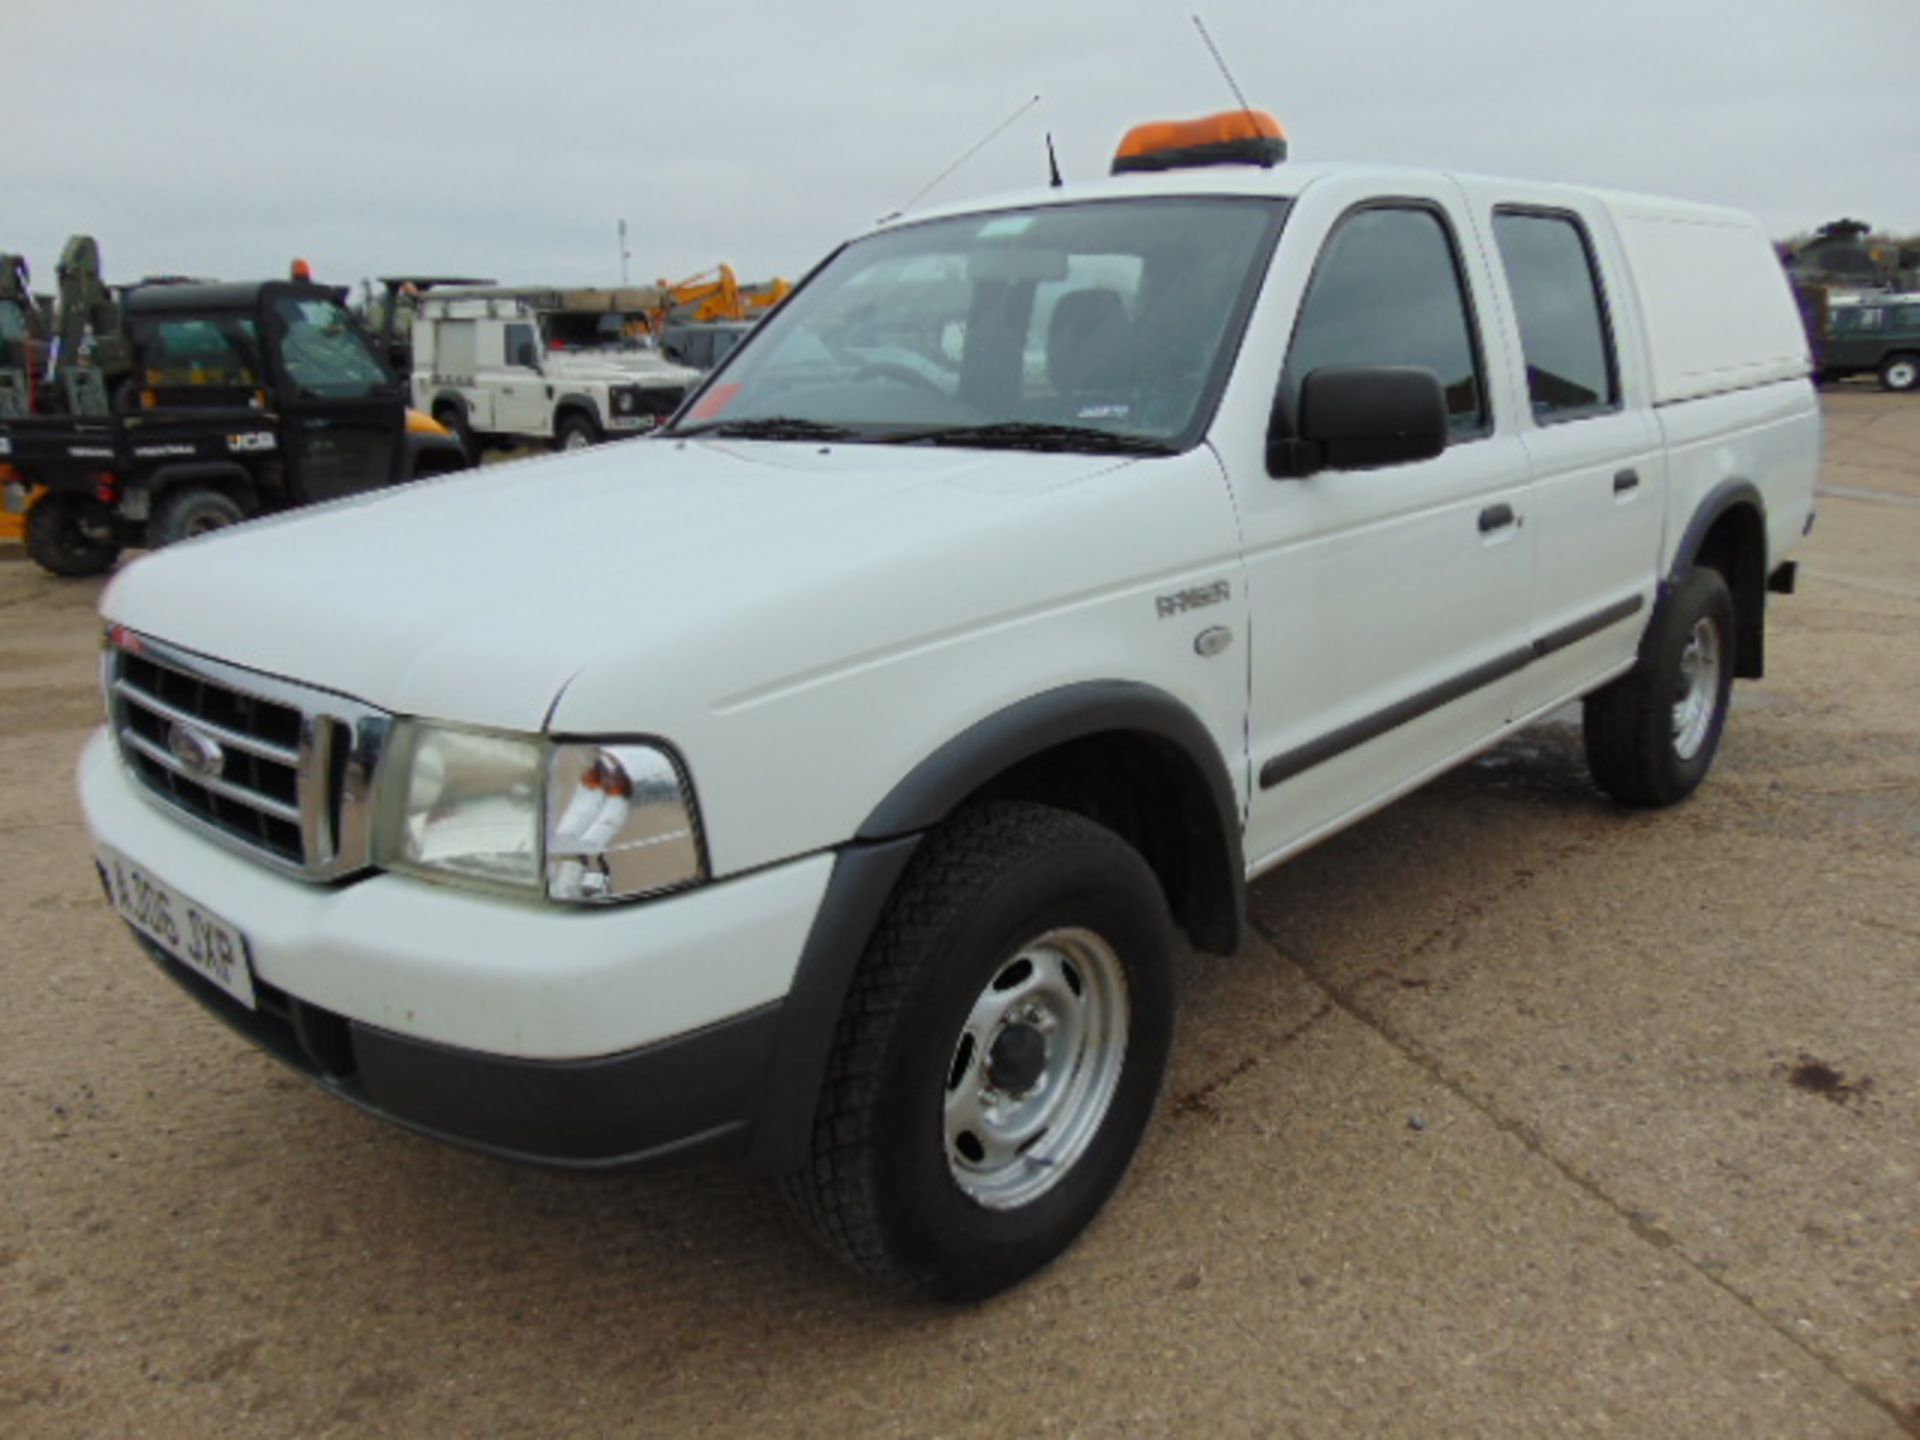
(1007, 1144)
(1699, 689)
(576, 440)
(204, 525)
(1902, 374)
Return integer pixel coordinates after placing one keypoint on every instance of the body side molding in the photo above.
(1285, 766)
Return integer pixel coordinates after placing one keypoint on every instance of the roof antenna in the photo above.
(1214, 49)
(984, 141)
(1053, 165)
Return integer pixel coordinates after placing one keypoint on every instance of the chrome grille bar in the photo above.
(288, 813)
(296, 789)
(232, 739)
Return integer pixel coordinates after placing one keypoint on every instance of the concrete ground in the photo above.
(1521, 1115)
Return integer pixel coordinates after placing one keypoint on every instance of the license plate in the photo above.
(184, 928)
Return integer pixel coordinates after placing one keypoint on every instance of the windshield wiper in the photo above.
(770, 427)
(1033, 435)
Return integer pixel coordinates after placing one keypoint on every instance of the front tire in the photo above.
(1900, 373)
(998, 1055)
(454, 418)
(576, 432)
(185, 514)
(1652, 734)
(61, 541)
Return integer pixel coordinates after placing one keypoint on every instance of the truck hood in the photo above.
(478, 597)
(614, 367)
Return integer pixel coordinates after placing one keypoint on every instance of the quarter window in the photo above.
(1387, 291)
(1562, 314)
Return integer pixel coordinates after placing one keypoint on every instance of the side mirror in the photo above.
(1360, 417)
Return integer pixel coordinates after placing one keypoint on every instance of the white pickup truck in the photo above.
(831, 780)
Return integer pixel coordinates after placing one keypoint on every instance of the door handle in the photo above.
(1626, 480)
(1495, 517)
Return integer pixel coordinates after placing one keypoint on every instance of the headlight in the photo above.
(465, 804)
(586, 822)
(619, 823)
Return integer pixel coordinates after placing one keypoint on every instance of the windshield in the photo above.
(323, 351)
(1101, 326)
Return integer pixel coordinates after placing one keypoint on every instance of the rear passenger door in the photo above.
(1596, 504)
(1387, 606)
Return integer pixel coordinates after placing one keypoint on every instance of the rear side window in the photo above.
(1387, 291)
(1562, 314)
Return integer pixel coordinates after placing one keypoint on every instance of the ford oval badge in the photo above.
(198, 753)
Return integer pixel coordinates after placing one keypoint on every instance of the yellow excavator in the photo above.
(715, 294)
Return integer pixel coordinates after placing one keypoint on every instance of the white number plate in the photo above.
(185, 929)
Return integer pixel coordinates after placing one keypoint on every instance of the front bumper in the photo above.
(581, 1038)
(695, 1093)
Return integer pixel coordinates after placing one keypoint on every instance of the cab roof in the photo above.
(244, 295)
(1288, 181)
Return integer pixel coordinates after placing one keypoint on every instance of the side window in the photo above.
(1562, 314)
(1387, 291)
(522, 350)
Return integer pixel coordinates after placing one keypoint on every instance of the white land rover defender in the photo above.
(503, 367)
(1040, 573)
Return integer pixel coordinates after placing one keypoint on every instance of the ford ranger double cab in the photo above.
(832, 780)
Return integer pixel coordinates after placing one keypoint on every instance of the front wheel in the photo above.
(1651, 735)
(187, 513)
(998, 1055)
(1900, 373)
(576, 432)
(66, 538)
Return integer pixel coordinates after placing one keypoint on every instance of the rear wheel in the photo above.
(65, 537)
(187, 513)
(576, 432)
(1900, 373)
(454, 418)
(998, 1055)
(1651, 735)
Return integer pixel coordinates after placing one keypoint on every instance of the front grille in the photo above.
(659, 401)
(280, 771)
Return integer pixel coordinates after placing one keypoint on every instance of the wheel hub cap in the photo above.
(1034, 1068)
(1698, 690)
(1017, 1060)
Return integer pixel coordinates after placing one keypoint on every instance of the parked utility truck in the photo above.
(570, 368)
(833, 780)
(177, 409)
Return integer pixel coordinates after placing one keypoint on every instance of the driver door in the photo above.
(342, 412)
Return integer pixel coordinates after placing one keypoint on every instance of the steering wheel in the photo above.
(900, 374)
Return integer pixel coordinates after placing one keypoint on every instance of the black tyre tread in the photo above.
(1626, 722)
(47, 550)
(1886, 368)
(166, 525)
(454, 419)
(575, 420)
(833, 1194)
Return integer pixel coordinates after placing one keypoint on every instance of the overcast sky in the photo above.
(222, 137)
